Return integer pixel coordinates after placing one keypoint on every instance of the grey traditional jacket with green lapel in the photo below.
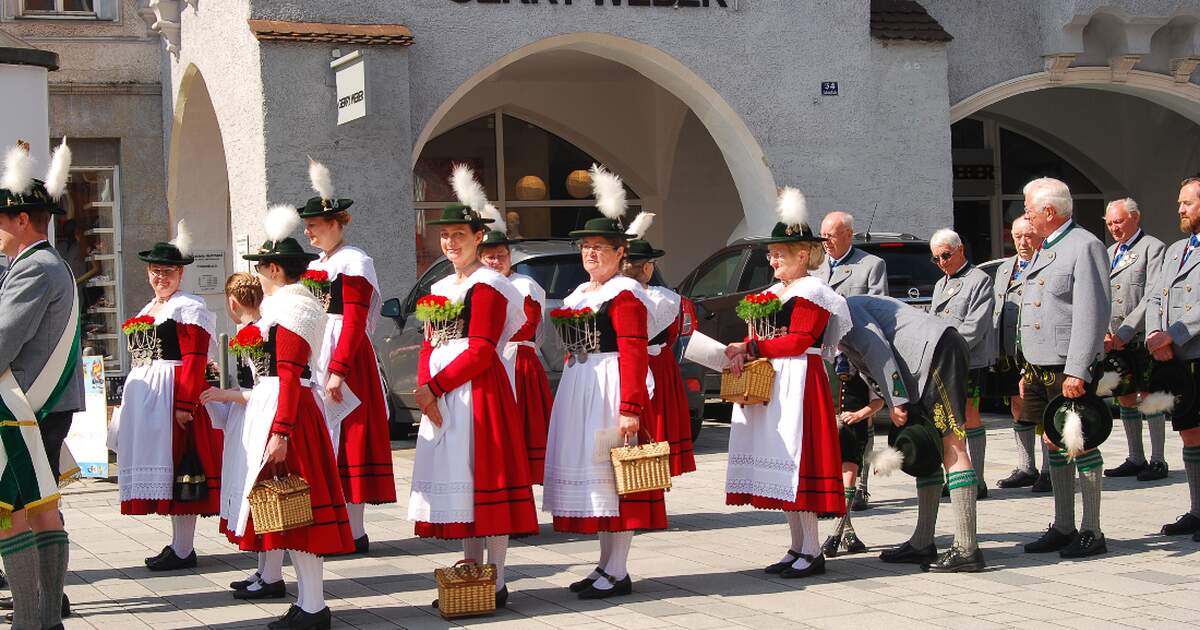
(1134, 273)
(1066, 305)
(859, 274)
(892, 343)
(1173, 305)
(1006, 307)
(965, 301)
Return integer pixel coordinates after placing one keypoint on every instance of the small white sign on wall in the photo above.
(351, 87)
(206, 276)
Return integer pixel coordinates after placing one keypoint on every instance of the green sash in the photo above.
(26, 474)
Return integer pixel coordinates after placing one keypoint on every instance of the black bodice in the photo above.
(168, 340)
(245, 375)
(336, 304)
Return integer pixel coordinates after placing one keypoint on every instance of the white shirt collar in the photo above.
(1062, 228)
(1130, 239)
(842, 260)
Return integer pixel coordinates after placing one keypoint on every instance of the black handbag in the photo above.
(190, 482)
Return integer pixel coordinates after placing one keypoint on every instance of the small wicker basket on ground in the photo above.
(752, 387)
(646, 466)
(280, 504)
(466, 589)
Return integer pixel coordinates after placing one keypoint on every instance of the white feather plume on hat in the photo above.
(1156, 403)
(18, 170)
(1107, 383)
(183, 239)
(468, 189)
(320, 178)
(641, 225)
(498, 223)
(791, 206)
(281, 221)
(885, 461)
(60, 167)
(609, 192)
(1073, 433)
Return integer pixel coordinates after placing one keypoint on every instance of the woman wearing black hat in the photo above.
(159, 419)
(284, 430)
(470, 477)
(344, 278)
(601, 400)
(668, 408)
(786, 455)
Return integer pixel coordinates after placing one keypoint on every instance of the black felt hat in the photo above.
(793, 220)
(165, 254)
(495, 237)
(459, 214)
(1117, 374)
(600, 226)
(917, 445)
(318, 207)
(1172, 390)
(283, 249)
(1096, 420)
(641, 250)
(29, 194)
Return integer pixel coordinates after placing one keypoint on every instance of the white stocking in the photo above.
(617, 561)
(497, 550)
(183, 534)
(473, 549)
(807, 522)
(797, 531)
(358, 527)
(311, 579)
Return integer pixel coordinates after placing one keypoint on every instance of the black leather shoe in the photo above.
(957, 560)
(241, 584)
(853, 544)
(1126, 469)
(980, 493)
(1196, 537)
(1043, 483)
(1051, 540)
(1186, 524)
(1085, 544)
(582, 585)
(624, 586)
(297, 619)
(776, 568)
(861, 501)
(829, 548)
(907, 554)
(286, 620)
(3, 580)
(1153, 472)
(1018, 479)
(362, 544)
(162, 554)
(275, 590)
(816, 567)
(502, 597)
(172, 562)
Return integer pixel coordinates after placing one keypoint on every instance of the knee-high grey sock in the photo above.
(977, 447)
(52, 551)
(929, 494)
(1091, 480)
(1191, 464)
(844, 525)
(1062, 475)
(21, 561)
(865, 467)
(962, 498)
(1024, 434)
(1158, 436)
(1131, 418)
(1045, 456)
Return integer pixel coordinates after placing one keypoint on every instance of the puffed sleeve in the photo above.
(487, 313)
(629, 321)
(804, 331)
(291, 357)
(189, 377)
(356, 302)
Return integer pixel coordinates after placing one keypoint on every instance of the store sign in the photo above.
(350, 72)
(88, 437)
(207, 275)
(674, 4)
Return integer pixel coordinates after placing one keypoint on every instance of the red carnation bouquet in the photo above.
(248, 342)
(438, 308)
(137, 324)
(315, 280)
(758, 305)
(566, 315)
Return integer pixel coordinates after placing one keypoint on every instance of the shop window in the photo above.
(72, 8)
(87, 237)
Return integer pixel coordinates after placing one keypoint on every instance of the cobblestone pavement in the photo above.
(705, 572)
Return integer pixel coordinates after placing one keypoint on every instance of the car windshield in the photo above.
(908, 267)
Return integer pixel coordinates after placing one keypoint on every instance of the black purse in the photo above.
(191, 484)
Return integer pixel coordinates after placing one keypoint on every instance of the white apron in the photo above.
(142, 432)
(230, 417)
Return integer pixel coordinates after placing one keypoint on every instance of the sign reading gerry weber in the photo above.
(674, 4)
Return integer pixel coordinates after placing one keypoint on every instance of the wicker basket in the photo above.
(466, 589)
(280, 504)
(752, 387)
(644, 467)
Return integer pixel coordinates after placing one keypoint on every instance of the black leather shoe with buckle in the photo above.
(1153, 472)
(1051, 540)
(908, 554)
(773, 569)
(1186, 524)
(816, 566)
(172, 562)
(957, 560)
(274, 590)
(581, 585)
(1018, 479)
(1087, 543)
(623, 586)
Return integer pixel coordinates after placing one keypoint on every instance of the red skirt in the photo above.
(820, 489)
(641, 511)
(365, 449)
(533, 399)
(209, 444)
(503, 493)
(668, 412)
(310, 455)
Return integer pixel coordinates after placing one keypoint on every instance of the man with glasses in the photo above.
(963, 298)
(851, 271)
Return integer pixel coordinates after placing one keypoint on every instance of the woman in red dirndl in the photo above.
(786, 454)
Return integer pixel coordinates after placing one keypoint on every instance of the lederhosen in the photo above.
(944, 397)
(1004, 377)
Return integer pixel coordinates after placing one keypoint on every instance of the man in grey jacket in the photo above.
(1173, 332)
(1136, 260)
(963, 298)
(919, 363)
(851, 271)
(38, 329)
(1064, 314)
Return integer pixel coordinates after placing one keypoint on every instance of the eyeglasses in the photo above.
(773, 256)
(943, 257)
(162, 272)
(595, 248)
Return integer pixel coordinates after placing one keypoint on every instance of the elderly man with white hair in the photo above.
(1137, 259)
(1064, 315)
(963, 297)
